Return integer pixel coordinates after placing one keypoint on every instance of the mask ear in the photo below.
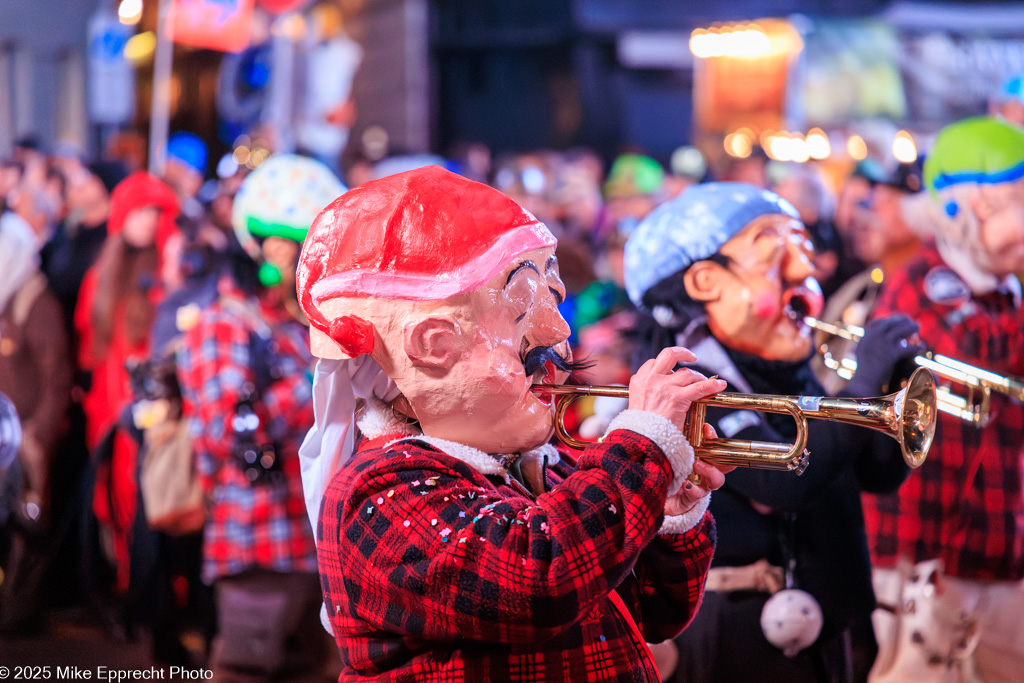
(435, 342)
(703, 281)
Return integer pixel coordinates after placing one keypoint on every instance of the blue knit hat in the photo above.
(189, 149)
(692, 227)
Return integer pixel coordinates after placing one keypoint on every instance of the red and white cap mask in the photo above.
(423, 235)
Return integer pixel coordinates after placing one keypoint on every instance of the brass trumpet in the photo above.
(974, 378)
(907, 415)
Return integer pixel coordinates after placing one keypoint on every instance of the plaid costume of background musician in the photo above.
(248, 524)
(434, 572)
(973, 522)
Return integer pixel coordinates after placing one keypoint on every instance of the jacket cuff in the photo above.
(665, 435)
(679, 524)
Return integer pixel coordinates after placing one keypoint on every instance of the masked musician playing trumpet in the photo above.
(716, 268)
(454, 543)
(949, 546)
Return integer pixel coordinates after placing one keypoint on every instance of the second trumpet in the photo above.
(951, 369)
(907, 415)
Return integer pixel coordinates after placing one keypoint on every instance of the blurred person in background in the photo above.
(167, 542)
(687, 167)
(35, 373)
(1008, 102)
(887, 235)
(328, 110)
(37, 208)
(185, 169)
(715, 270)
(472, 160)
(634, 186)
(529, 179)
(577, 202)
(11, 172)
(229, 178)
(55, 185)
(854, 195)
(245, 371)
(28, 152)
(749, 169)
(358, 171)
(128, 148)
(113, 319)
(606, 344)
(79, 239)
(10, 442)
(948, 547)
(803, 187)
(67, 157)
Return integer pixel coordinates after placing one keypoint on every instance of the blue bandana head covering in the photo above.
(692, 227)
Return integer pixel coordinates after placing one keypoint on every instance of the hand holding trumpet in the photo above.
(658, 387)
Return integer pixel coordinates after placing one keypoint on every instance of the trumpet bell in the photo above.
(916, 414)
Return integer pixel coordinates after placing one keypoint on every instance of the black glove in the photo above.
(880, 353)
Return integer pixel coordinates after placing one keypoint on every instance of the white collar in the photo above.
(378, 420)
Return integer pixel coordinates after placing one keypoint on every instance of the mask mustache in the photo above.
(539, 355)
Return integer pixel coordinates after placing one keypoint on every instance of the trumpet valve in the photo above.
(800, 464)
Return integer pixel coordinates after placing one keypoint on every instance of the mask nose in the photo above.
(797, 265)
(548, 327)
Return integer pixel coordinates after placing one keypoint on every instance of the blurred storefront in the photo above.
(614, 75)
(42, 70)
(366, 78)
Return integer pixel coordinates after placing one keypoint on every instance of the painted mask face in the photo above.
(514, 337)
(767, 274)
(1002, 230)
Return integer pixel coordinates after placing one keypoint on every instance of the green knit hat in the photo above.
(634, 174)
(975, 150)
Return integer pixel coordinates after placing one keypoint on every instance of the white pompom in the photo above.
(791, 620)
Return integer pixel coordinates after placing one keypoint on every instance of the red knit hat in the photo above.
(422, 235)
(138, 191)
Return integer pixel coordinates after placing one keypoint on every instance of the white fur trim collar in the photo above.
(379, 420)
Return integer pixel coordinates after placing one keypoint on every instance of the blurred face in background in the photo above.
(284, 254)
(750, 170)
(854, 191)
(881, 227)
(36, 208)
(88, 199)
(10, 176)
(182, 178)
(140, 227)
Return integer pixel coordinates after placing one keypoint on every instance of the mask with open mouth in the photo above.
(803, 301)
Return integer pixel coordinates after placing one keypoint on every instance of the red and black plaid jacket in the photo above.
(432, 571)
(965, 505)
(248, 524)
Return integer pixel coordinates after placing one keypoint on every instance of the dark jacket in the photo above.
(816, 516)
